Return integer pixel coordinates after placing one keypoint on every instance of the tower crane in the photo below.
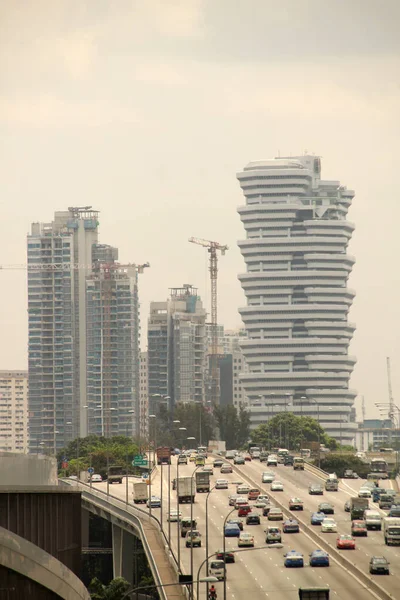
(391, 402)
(213, 248)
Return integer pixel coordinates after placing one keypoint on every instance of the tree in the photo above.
(338, 463)
(113, 591)
(234, 427)
(193, 416)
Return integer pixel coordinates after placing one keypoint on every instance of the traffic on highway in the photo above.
(270, 528)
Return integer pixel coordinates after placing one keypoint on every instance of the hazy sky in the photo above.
(146, 109)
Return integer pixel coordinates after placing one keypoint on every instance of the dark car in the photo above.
(229, 556)
(218, 462)
(253, 519)
(317, 518)
(349, 474)
(319, 558)
(347, 506)
(239, 460)
(326, 508)
(315, 489)
(232, 530)
(288, 460)
(379, 565)
(266, 510)
(237, 522)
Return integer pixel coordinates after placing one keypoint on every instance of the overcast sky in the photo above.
(146, 109)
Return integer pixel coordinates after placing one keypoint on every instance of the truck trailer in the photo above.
(163, 455)
(314, 593)
(357, 507)
(202, 481)
(140, 493)
(185, 489)
(391, 530)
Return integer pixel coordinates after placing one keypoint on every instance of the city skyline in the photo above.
(76, 126)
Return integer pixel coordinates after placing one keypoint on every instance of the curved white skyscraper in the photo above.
(298, 301)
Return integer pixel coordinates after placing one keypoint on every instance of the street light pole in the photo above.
(177, 501)
(150, 466)
(224, 547)
(191, 521)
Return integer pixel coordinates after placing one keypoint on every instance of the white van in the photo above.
(217, 569)
(373, 519)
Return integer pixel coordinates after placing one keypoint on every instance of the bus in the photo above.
(305, 452)
(379, 465)
(202, 450)
(282, 452)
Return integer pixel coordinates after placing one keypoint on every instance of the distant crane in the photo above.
(213, 247)
(391, 402)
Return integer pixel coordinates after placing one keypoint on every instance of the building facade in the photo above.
(296, 317)
(14, 431)
(373, 434)
(176, 349)
(143, 394)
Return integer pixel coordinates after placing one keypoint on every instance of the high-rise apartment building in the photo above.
(14, 431)
(176, 349)
(298, 301)
(112, 398)
(83, 333)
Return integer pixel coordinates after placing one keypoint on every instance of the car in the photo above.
(379, 565)
(232, 499)
(253, 519)
(294, 559)
(376, 492)
(193, 538)
(96, 478)
(288, 460)
(73, 477)
(232, 530)
(245, 539)
(174, 516)
(228, 557)
(267, 477)
(315, 489)
(359, 527)
(218, 462)
(221, 484)
(319, 558)
(364, 492)
(230, 455)
(247, 457)
(317, 518)
(192, 457)
(276, 486)
(272, 461)
(296, 504)
(174, 484)
(347, 506)
(275, 514)
(182, 459)
(253, 494)
(241, 501)
(226, 468)
(263, 498)
(326, 508)
(243, 489)
(238, 460)
(350, 474)
(155, 502)
(273, 535)
(260, 504)
(329, 526)
(345, 542)
(217, 569)
(244, 510)
(238, 522)
(291, 526)
(208, 469)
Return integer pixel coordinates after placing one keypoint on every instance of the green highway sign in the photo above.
(139, 461)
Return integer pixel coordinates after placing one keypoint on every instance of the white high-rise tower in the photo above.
(298, 301)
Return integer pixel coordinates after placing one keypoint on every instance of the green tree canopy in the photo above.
(199, 423)
(234, 426)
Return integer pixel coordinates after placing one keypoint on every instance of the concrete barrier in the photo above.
(31, 469)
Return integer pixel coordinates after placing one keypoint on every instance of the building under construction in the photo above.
(176, 349)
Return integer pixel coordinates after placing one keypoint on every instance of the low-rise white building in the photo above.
(14, 411)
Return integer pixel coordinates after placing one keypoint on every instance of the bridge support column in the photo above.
(85, 528)
(123, 545)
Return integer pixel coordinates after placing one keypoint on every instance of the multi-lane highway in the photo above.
(261, 572)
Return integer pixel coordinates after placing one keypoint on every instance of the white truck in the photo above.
(140, 493)
(185, 489)
(391, 530)
(332, 483)
(298, 463)
(373, 519)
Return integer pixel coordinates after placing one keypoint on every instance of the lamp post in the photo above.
(191, 520)
(154, 453)
(177, 500)
(224, 547)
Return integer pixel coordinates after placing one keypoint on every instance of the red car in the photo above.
(345, 542)
(253, 494)
(247, 457)
(244, 510)
(359, 527)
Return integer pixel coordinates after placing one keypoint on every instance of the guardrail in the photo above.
(346, 564)
(125, 512)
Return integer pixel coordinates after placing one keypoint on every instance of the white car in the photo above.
(96, 478)
(276, 486)
(329, 526)
(267, 477)
(221, 484)
(242, 489)
(174, 516)
(245, 539)
(364, 492)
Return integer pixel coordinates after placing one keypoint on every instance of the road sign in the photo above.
(90, 470)
(139, 461)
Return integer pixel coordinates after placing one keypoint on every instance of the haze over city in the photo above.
(147, 110)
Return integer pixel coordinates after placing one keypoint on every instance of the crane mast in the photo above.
(391, 402)
(213, 248)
